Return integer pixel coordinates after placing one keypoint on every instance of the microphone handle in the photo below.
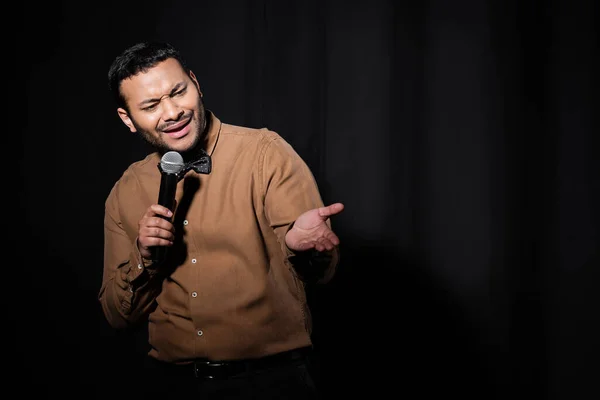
(166, 198)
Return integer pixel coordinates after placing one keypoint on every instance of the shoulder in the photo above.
(141, 169)
(136, 173)
(266, 144)
(261, 135)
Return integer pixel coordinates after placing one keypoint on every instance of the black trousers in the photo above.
(283, 381)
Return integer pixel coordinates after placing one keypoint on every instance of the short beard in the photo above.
(200, 142)
(154, 142)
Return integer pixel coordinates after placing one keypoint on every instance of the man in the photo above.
(226, 306)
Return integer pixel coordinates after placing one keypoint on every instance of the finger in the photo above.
(157, 232)
(324, 243)
(150, 241)
(323, 246)
(157, 209)
(146, 242)
(156, 241)
(332, 238)
(148, 236)
(157, 222)
(330, 210)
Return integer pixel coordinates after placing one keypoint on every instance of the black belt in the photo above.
(209, 369)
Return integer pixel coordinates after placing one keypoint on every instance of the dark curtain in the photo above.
(462, 137)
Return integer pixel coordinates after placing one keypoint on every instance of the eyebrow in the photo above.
(175, 88)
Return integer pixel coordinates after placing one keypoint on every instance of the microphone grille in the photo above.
(172, 162)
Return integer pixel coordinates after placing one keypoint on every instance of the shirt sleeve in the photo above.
(290, 190)
(130, 283)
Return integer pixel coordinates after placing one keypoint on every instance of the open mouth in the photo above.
(179, 129)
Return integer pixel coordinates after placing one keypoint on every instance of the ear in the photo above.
(126, 120)
(195, 82)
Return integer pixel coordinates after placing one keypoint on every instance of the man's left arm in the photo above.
(295, 210)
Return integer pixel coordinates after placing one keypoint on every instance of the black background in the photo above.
(461, 136)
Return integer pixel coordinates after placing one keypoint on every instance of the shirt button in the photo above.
(200, 333)
(194, 294)
(194, 261)
(185, 222)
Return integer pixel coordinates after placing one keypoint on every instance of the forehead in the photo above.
(153, 83)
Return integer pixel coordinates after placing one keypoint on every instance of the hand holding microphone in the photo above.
(155, 230)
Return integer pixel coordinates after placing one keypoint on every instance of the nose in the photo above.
(171, 111)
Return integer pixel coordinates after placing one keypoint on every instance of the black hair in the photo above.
(136, 59)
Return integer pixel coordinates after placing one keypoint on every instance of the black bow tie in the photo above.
(202, 165)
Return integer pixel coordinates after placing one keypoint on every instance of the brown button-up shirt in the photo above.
(229, 289)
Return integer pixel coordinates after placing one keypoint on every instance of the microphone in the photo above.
(170, 166)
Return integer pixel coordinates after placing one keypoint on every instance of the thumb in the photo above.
(327, 211)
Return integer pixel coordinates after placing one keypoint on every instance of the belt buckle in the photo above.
(207, 369)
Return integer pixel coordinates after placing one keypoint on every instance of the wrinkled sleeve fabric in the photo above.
(290, 190)
(129, 283)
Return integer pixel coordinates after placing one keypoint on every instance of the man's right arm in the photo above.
(130, 283)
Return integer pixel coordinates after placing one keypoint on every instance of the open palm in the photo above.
(311, 231)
